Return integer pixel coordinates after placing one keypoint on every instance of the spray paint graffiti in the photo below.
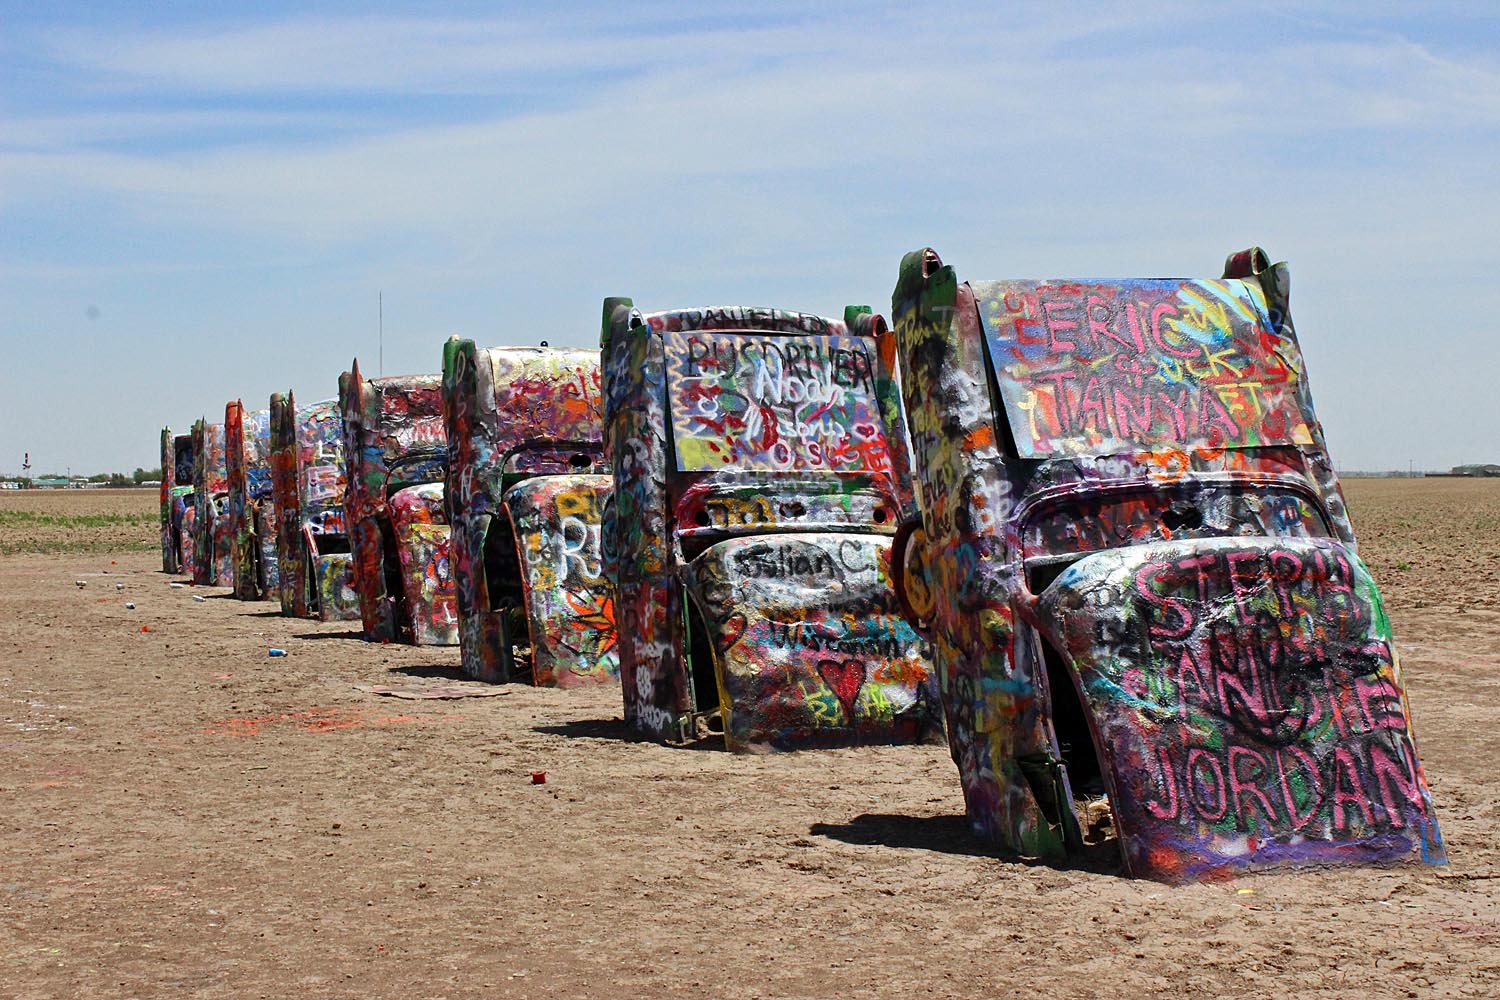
(186, 538)
(422, 545)
(843, 671)
(525, 452)
(247, 454)
(1112, 367)
(1250, 693)
(568, 602)
(168, 549)
(1142, 540)
(756, 489)
(393, 439)
(758, 402)
(212, 564)
(307, 469)
(176, 497)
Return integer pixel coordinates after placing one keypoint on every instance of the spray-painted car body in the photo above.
(176, 498)
(426, 605)
(1136, 567)
(308, 482)
(526, 487)
(756, 493)
(252, 511)
(209, 524)
(393, 441)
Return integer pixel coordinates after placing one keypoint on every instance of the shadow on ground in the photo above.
(951, 835)
(616, 729)
(444, 670)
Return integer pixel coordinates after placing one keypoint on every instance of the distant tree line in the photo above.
(116, 480)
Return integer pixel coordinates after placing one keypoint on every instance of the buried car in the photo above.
(756, 493)
(252, 511)
(209, 519)
(395, 450)
(526, 483)
(307, 479)
(1135, 564)
(176, 500)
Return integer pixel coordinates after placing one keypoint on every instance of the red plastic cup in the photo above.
(538, 777)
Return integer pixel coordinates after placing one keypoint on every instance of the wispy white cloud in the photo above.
(62, 133)
(694, 104)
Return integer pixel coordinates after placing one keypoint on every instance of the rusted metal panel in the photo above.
(393, 438)
(525, 445)
(1137, 570)
(754, 475)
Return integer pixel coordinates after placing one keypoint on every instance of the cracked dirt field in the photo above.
(181, 815)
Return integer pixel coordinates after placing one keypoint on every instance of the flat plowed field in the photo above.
(181, 815)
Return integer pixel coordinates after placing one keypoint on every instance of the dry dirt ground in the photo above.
(181, 815)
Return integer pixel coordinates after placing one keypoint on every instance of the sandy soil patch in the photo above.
(181, 814)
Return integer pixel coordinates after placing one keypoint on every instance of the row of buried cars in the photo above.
(1090, 529)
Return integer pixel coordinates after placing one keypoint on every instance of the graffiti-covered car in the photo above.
(176, 500)
(526, 484)
(756, 493)
(394, 442)
(307, 479)
(252, 511)
(1136, 567)
(209, 521)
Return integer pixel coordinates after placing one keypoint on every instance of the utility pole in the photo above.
(380, 309)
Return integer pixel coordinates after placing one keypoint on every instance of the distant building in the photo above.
(1476, 470)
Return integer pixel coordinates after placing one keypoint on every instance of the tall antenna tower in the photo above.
(380, 311)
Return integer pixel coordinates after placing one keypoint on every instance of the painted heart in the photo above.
(844, 679)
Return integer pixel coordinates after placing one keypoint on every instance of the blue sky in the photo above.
(200, 202)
